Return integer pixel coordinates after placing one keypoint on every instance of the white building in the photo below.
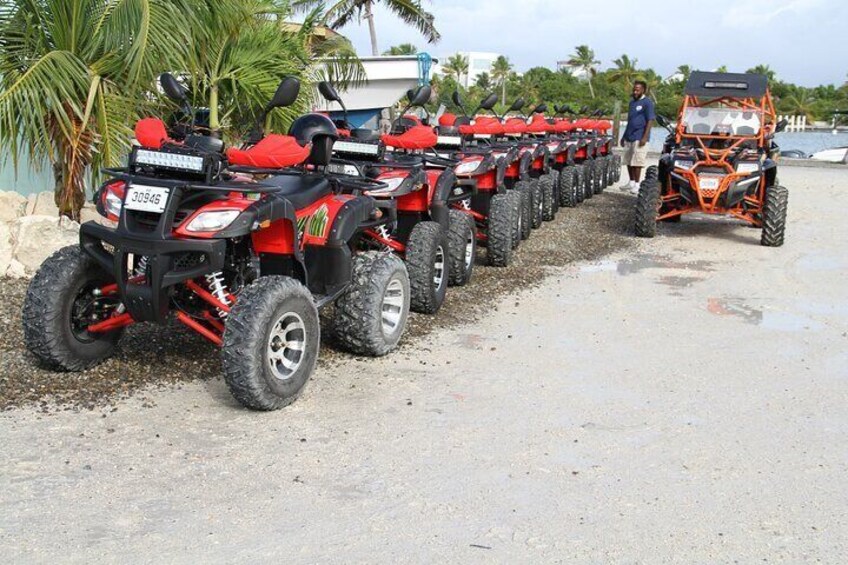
(479, 62)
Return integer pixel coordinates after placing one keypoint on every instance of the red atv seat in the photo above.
(563, 126)
(515, 125)
(583, 123)
(539, 125)
(483, 125)
(447, 119)
(275, 151)
(417, 137)
(602, 125)
(413, 118)
(151, 133)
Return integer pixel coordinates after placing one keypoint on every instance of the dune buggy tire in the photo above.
(567, 194)
(580, 182)
(58, 290)
(647, 207)
(536, 211)
(427, 263)
(273, 311)
(462, 245)
(523, 188)
(370, 315)
(589, 172)
(774, 216)
(500, 229)
(549, 205)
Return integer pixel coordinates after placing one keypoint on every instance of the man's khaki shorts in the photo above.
(634, 155)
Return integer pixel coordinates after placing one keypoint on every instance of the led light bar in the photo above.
(728, 85)
(169, 160)
(357, 148)
(449, 140)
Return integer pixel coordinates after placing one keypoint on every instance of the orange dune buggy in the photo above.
(719, 159)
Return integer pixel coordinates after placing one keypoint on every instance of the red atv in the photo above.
(437, 244)
(242, 246)
(494, 209)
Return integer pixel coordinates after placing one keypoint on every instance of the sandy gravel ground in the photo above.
(680, 401)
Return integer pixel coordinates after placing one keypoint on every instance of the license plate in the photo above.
(340, 169)
(709, 183)
(146, 198)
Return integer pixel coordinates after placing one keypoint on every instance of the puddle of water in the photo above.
(781, 321)
(642, 262)
(679, 282)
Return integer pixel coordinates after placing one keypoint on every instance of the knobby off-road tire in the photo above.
(549, 205)
(580, 182)
(370, 316)
(774, 216)
(515, 200)
(500, 230)
(60, 289)
(523, 188)
(554, 174)
(427, 263)
(647, 207)
(589, 172)
(598, 185)
(271, 343)
(536, 215)
(616, 168)
(567, 194)
(462, 242)
(607, 173)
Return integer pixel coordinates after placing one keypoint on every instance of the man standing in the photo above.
(640, 118)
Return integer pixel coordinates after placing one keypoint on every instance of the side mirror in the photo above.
(328, 92)
(456, 99)
(517, 105)
(540, 109)
(286, 94)
(598, 113)
(173, 89)
(420, 96)
(489, 102)
(781, 125)
(567, 109)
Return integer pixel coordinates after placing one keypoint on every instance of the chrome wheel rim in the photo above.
(392, 307)
(286, 345)
(439, 267)
(469, 251)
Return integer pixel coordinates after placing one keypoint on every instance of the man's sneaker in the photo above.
(634, 188)
(626, 187)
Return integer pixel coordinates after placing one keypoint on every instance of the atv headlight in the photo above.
(393, 183)
(681, 164)
(113, 204)
(212, 221)
(467, 167)
(748, 168)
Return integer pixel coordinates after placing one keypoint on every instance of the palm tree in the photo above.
(72, 78)
(402, 49)
(501, 70)
(624, 71)
(484, 81)
(800, 102)
(685, 71)
(342, 12)
(763, 70)
(721, 69)
(456, 66)
(584, 59)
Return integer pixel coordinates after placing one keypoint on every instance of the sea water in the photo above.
(808, 141)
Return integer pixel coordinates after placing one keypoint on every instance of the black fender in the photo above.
(271, 208)
(500, 175)
(524, 166)
(442, 194)
(770, 171)
(544, 152)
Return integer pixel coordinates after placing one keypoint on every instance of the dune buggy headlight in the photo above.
(747, 168)
(212, 221)
(681, 164)
(467, 167)
(175, 161)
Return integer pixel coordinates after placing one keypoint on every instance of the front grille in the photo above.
(188, 260)
(151, 220)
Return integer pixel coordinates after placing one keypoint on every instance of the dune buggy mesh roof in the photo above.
(734, 85)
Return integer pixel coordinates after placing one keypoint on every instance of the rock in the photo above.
(37, 237)
(41, 204)
(89, 214)
(16, 270)
(5, 247)
(12, 206)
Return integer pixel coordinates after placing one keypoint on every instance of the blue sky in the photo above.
(805, 41)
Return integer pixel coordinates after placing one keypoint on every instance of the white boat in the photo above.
(834, 155)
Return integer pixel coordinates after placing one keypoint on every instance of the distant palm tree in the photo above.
(763, 70)
(402, 49)
(801, 102)
(484, 81)
(501, 70)
(624, 71)
(721, 69)
(584, 59)
(685, 71)
(456, 66)
(653, 80)
(72, 78)
(342, 12)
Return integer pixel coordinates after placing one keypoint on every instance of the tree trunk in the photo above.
(503, 92)
(591, 88)
(214, 123)
(370, 17)
(74, 157)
